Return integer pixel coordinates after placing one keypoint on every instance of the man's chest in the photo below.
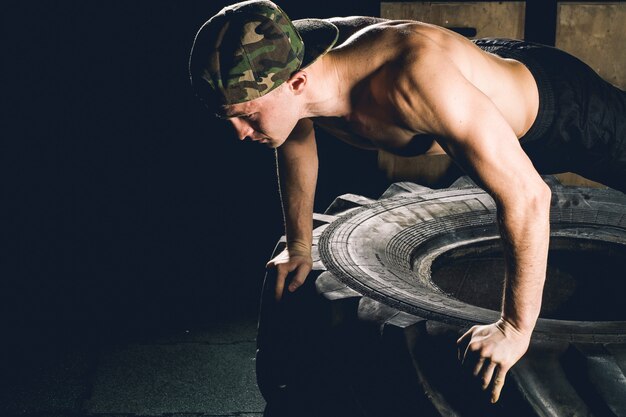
(371, 131)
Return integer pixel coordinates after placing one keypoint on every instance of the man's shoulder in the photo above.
(366, 32)
(349, 25)
(364, 29)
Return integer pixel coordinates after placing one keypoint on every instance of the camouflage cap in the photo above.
(248, 49)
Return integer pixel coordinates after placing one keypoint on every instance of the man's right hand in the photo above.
(298, 264)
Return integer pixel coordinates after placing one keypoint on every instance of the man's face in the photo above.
(268, 119)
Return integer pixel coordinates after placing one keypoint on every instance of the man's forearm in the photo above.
(525, 230)
(296, 162)
(297, 166)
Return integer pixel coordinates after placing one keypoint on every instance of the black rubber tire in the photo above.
(432, 221)
(345, 345)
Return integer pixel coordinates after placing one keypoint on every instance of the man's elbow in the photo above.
(527, 200)
(535, 200)
(542, 196)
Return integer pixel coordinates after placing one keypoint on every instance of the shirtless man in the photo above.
(411, 87)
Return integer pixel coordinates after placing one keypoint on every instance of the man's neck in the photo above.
(328, 89)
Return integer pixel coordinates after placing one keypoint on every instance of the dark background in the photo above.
(126, 206)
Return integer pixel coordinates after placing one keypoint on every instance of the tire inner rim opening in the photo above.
(583, 279)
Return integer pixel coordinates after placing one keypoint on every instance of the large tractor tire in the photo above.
(397, 280)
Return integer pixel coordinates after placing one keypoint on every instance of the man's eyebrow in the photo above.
(227, 115)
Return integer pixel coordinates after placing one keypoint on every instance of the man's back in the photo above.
(383, 61)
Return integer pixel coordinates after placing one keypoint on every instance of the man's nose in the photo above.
(242, 129)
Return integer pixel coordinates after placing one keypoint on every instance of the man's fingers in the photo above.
(462, 344)
(489, 353)
(464, 339)
(470, 354)
(298, 278)
(498, 383)
(488, 374)
(478, 367)
(281, 275)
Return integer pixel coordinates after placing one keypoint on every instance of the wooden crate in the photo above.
(490, 19)
(595, 33)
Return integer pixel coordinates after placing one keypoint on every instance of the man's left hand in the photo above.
(489, 351)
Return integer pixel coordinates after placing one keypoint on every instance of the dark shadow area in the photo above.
(129, 205)
(130, 214)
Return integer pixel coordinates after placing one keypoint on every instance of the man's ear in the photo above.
(297, 82)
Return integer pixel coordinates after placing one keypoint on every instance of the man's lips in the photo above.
(263, 139)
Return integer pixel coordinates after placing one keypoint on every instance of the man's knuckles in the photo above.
(298, 280)
(285, 268)
(476, 348)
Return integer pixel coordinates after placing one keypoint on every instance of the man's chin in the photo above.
(273, 143)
